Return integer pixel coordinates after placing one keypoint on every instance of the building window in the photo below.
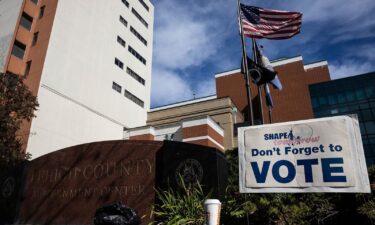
(123, 21)
(35, 38)
(41, 12)
(322, 100)
(370, 127)
(370, 92)
(135, 76)
(137, 55)
(126, 3)
(26, 21)
(144, 4)
(18, 49)
(350, 96)
(116, 87)
(35, 2)
(360, 94)
(134, 98)
(121, 41)
(136, 14)
(138, 35)
(119, 63)
(314, 102)
(332, 100)
(27, 69)
(341, 98)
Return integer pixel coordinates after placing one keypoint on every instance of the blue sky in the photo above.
(194, 39)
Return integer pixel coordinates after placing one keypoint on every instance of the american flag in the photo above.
(268, 23)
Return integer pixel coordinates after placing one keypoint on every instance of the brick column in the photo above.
(203, 131)
(141, 133)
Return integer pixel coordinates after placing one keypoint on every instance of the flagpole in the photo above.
(270, 114)
(260, 104)
(244, 60)
(248, 88)
(255, 56)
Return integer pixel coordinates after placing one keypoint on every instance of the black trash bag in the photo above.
(116, 214)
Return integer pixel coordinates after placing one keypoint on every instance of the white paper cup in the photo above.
(212, 208)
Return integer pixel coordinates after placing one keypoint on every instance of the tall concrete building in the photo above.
(87, 61)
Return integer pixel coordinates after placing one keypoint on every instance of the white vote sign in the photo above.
(317, 155)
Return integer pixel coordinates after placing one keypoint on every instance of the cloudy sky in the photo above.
(194, 39)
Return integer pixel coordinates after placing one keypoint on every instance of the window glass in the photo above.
(27, 69)
(370, 127)
(138, 35)
(126, 3)
(360, 94)
(370, 92)
(35, 38)
(341, 98)
(26, 21)
(123, 21)
(362, 128)
(314, 102)
(343, 109)
(322, 112)
(134, 98)
(119, 63)
(334, 111)
(18, 49)
(136, 54)
(371, 138)
(350, 96)
(332, 100)
(322, 100)
(144, 4)
(353, 108)
(120, 41)
(135, 76)
(41, 12)
(116, 87)
(136, 14)
(364, 105)
(367, 150)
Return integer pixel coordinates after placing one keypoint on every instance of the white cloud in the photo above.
(366, 52)
(187, 34)
(184, 38)
(326, 23)
(349, 68)
(179, 47)
(168, 87)
(340, 20)
(206, 88)
(335, 10)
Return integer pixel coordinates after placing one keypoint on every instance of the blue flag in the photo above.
(268, 96)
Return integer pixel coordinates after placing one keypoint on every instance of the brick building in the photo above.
(228, 108)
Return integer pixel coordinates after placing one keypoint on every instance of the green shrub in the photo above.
(174, 208)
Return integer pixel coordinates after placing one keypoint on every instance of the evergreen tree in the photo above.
(17, 105)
